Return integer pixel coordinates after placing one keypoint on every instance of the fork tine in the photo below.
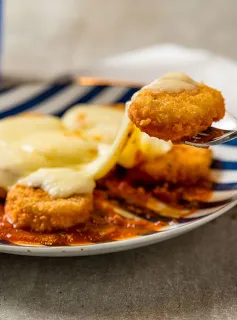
(202, 134)
(214, 137)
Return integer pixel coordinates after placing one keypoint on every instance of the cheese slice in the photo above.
(67, 157)
(98, 122)
(60, 182)
(34, 142)
(63, 182)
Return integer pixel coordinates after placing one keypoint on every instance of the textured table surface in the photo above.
(193, 276)
(189, 277)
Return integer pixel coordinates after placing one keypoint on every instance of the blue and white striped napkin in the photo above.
(57, 97)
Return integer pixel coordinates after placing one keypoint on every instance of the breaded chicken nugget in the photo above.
(182, 164)
(175, 107)
(27, 207)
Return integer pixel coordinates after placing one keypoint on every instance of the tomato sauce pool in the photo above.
(103, 226)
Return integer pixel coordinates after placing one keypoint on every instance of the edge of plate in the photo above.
(121, 245)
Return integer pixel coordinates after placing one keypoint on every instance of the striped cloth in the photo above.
(57, 97)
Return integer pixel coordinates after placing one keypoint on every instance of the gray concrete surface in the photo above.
(193, 276)
(189, 277)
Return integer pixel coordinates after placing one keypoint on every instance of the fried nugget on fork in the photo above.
(179, 114)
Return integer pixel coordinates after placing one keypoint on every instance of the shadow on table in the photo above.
(192, 275)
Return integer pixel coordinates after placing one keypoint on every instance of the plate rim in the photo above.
(115, 246)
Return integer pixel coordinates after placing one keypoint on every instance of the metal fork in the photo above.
(213, 136)
(210, 137)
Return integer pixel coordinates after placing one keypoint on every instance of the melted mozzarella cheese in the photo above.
(130, 155)
(100, 123)
(108, 161)
(15, 163)
(60, 147)
(33, 142)
(60, 182)
(103, 123)
(66, 157)
(13, 129)
(152, 147)
(174, 82)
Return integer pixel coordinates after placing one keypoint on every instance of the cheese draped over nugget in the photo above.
(33, 142)
(65, 157)
(102, 124)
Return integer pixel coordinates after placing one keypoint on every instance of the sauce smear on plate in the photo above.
(103, 226)
(110, 220)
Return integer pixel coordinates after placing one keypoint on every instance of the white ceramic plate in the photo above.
(57, 98)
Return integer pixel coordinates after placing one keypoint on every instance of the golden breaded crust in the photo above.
(27, 207)
(182, 164)
(176, 116)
